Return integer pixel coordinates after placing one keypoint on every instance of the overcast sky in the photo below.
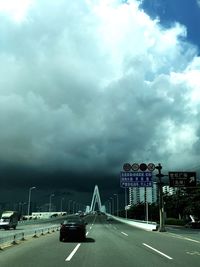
(87, 85)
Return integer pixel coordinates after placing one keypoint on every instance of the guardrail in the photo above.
(16, 238)
(140, 224)
(45, 220)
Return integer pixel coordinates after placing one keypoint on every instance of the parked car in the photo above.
(73, 228)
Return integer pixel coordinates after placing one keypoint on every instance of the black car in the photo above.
(73, 228)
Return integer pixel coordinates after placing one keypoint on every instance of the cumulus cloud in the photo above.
(88, 85)
(16, 10)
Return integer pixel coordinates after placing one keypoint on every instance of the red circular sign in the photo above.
(127, 167)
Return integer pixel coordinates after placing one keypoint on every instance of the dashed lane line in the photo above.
(73, 252)
(163, 254)
(124, 233)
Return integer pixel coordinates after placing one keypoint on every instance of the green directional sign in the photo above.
(182, 179)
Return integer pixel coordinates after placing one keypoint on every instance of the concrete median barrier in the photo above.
(151, 226)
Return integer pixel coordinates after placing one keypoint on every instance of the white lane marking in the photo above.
(90, 227)
(183, 238)
(73, 252)
(158, 251)
(190, 239)
(193, 253)
(124, 233)
(87, 233)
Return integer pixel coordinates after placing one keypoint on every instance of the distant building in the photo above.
(169, 190)
(149, 194)
(143, 194)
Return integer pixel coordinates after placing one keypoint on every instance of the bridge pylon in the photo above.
(96, 200)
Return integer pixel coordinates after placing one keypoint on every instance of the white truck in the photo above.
(9, 219)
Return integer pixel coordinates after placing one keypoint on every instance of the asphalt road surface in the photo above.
(108, 244)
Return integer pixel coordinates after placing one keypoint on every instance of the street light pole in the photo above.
(105, 204)
(74, 202)
(110, 210)
(117, 204)
(61, 204)
(22, 207)
(69, 205)
(29, 199)
(50, 197)
(125, 202)
(112, 205)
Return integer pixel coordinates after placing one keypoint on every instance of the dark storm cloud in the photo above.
(80, 95)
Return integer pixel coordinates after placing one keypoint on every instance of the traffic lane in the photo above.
(111, 248)
(182, 249)
(26, 227)
(178, 231)
(101, 248)
(186, 252)
(104, 246)
(186, 232)
(44, 251)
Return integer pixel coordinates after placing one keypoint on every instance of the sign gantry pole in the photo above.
(125, 202)
(161, 203)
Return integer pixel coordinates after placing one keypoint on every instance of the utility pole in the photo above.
(117, 204)
(29, 200)
(125, 203)
(161, 203)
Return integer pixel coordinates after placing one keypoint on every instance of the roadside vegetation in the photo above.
(177, 208)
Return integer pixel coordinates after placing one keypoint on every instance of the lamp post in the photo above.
(21, 204)
(73, 206)
(29, 199)
(22, 207)
(77, 207)
(50, 197)
(112, 210)
(69, 205)
(117, 204)
(61, 203)
(105, 204)
(125, 203)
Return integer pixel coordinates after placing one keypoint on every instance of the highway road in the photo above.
(108, 244)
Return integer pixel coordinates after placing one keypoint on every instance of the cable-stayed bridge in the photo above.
(96, 202)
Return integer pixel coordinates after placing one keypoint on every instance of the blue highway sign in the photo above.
(135, 179)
